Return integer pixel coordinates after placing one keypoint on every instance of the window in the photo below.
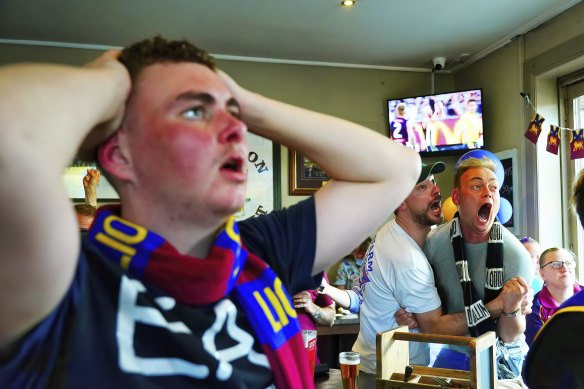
(572, 92)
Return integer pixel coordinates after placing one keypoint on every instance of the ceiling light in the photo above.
(348, 3)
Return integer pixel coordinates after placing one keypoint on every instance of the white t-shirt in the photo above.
(395, 274)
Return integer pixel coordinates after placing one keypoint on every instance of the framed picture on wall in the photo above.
(305, 176)
(508, 194)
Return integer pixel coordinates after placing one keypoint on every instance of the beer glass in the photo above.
(309, 337)
(349, 362)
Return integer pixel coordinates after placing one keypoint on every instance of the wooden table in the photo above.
(333, 340)
(331, 380)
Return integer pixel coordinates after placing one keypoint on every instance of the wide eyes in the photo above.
(194, 113)
(199, 112)
(492, 188)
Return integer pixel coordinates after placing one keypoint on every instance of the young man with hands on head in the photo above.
(167, 286)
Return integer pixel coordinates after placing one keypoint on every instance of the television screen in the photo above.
(441, 124)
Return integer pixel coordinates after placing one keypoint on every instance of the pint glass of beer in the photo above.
(349, 362)
(309, 337)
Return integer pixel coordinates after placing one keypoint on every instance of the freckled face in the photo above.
(185, 139)
(477, 200)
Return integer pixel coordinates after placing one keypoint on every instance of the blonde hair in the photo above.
(469, 163)
(552, 250)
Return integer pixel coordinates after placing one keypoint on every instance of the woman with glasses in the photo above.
(556, 268)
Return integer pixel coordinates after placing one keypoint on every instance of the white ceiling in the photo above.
(403, 34)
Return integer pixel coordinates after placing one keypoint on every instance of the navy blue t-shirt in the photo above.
(111, 330)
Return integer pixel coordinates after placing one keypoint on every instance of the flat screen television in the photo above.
(439, 124)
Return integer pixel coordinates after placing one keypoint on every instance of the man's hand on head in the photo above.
(233, 86)
(241, 95)
(111, 119)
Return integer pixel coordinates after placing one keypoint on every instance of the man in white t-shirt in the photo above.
(395, 272)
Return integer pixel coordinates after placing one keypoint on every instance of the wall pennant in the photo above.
(534, 128)
(553, 141)
(577, 144)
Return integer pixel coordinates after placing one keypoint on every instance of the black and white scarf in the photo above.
(478, 317)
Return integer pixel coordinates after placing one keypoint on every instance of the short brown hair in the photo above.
(470, 163)
(159, 50)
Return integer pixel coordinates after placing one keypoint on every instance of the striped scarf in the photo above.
(229, 268)
(477, 315)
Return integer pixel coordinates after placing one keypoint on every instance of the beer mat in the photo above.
(321, 369)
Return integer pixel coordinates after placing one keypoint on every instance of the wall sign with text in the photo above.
(263, 178)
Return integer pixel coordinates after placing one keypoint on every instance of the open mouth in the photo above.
(484, 212)
(233, 164)
(435, 206)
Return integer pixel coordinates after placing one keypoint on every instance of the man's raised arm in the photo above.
(371, 175)
(46, 111)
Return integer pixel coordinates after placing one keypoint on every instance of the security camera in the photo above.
(439, 63)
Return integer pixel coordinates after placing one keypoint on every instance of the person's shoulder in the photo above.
(537, 299)
(510, 241)
(576, 300)
(300, 212)
(508, 237)
(441, 228)
(390, 234)
(393, 247)
(437, 238)
(439, 232)
(558, 346)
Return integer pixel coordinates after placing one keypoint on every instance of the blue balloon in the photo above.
(500, 171)
(505, 211)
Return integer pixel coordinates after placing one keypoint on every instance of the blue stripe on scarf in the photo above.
(229, 239)
(269, 308)
(127, 244)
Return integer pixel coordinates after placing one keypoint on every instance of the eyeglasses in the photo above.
(560, 264)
